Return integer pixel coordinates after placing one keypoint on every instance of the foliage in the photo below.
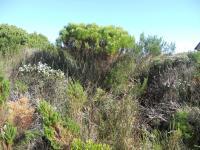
(181, 123)
(30, 135)
(46, 83)
(8, 133)
(42, 69)
(143, 86)
(187, 121)
(77, 144)
(71, 125)
(153, 45)
(50, 119)
(114, 119)
(49, 116)
(21, 87)
(194, 56)
(119, 76)
(160, 140)
(76, 97)
(39, 41)
(54, 126)
(4, 89)
(12, 38)
(91, 38)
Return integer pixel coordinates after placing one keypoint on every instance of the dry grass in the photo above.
(21, 113)
(3, 115)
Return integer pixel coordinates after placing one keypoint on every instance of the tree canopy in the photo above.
(95, 39)
(38, 41)
(154, 45)
(11, 38)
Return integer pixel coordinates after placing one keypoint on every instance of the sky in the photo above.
(174, 20)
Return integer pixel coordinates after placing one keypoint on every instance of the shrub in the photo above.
(118, 78)
(21, 87)
(71, 125)
(46, 83)
(21, 113)
(194, 56)
(49, 116)
(39, 41)
(153, 45)
(8, 134)
(95, 48)
(181, 123)
(91, 38)
(42, 69)
(4, 89)
(114, 119)
(77, 144)
(12, 38)
(76, 98)
(187, 121)
(53, 127)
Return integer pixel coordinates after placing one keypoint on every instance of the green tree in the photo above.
(153, 45)
(12, 38)
(91, 38)
(38, 41)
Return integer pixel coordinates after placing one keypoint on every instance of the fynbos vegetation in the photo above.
(96, 89)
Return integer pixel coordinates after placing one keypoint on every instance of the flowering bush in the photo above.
(43, 82)
(42, 69)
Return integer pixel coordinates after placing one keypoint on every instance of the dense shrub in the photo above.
(91, 38)
(39, 41)
(187, 121)
(119, 76)
(53, 128)
(12, 38)
(94, 47)
(44, 82)
(76, 98)
(114, 119)
(194, 56)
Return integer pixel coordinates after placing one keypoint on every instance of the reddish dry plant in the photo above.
(21, 113)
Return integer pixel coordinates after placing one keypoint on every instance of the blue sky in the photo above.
(174, 20)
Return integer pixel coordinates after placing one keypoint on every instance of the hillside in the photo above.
(96, 89)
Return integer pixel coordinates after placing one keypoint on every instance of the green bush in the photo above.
(181, 123)
(114, 119)
(194, 56)
(12, 38)
(119, 76)
(72, 126)
(51, 119)
(21, 87)
(76, 97)
(153, 45)
(39, 41)
(91, 38)
(4, 89)
(8, 134)
(49, 116)
(187, 121)
(77, 144)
